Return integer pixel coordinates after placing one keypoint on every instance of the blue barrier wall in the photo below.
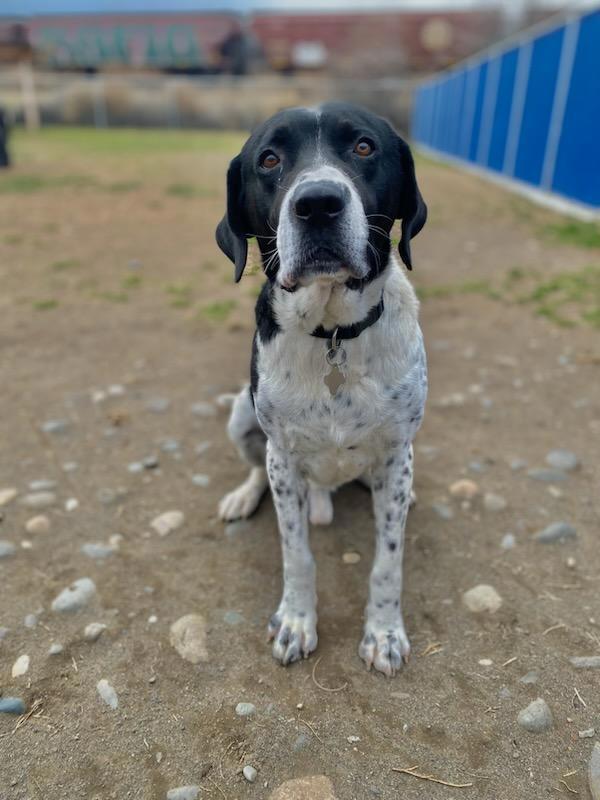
(527, 111)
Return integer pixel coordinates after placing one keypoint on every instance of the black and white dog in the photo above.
(338, 376)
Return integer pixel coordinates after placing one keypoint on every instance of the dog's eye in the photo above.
(363, 147)
(269, 160)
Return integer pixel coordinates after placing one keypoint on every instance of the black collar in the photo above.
(354, 330)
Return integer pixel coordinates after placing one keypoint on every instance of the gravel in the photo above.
(75, 596)
(315, 787)
(201, 480)
(12, 705)
(547, 475)
(249, 773)
(43, 485)
(97, 550)
(585, 662)
(508, 541)
(464, 489)
(55, 649)
(30, 621)
(93, 631)
(482, 598)
(188, 637)
(157, 405)
(233, 618)
(168, 522)
(245, 709)
(39, 524)
(537, 717)
(6, 495)
(21, 666)
(555, 532)
(562, 460)
(443, 511)
(56, 426)
(7, 549)
(530, 678)
(203, 409)
(39, 499)
(494, 502)
(107, 693)
(183, 793)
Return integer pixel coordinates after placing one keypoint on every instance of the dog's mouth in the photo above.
(321, 264)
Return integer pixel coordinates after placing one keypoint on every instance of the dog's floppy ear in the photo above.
(232, 231)
(412, 209)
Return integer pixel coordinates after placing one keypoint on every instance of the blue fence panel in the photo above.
(529, 111)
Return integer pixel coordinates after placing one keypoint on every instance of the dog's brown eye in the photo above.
(363, 148)
(269, 160)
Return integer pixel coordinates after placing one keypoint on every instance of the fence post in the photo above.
(30, 106)
(99, 97)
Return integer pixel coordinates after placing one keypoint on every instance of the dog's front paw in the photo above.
(385, 647)
(294, 632)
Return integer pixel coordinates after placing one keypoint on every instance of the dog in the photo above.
(338, 371)
(4, 157)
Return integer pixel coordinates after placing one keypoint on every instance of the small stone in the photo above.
(97, 550)
(312, 787)
(7, 549)
(353, 739)
(477, 467)
(508, 541)
(170, 445)
(55, 649)
(168, 522)
(70, 466)
(452, 400)
(351, 558)
(203, 409)
(585, 662)
(587, 734)
(21, 666)
(135, 467)
(202, 448)
(555, 532)
(537, 717)
(183, 793)
(249, 773)
(245, 709)
(75, 596)
(30, 621)
(464, 489)
(562, 460)
(56, 426)
(482, 598)
(301, 742)
(39, 524)
(494, 502)
(6, 495)
(443, 511)
(188, 637)
(43, 485)
(485, 662)
(201, 480)
(12, 705)
(150, 462)
(93, 631)
(3, 633)
(108, 694)
(233, 617)
(39, 499)
(158, 405)
(547, 475)
(237, 528)
(71, 504)
(530, 678)
(116, 390)
(594, 772)
(518, 464)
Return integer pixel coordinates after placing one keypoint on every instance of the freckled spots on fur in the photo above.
(390, 462)
(377, 485)
(392, 546)
(406, 471)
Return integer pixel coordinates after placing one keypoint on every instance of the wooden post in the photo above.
(30, 106)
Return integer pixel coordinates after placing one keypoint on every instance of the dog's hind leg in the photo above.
(250, 441)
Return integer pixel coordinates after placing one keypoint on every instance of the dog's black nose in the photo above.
(320, 202)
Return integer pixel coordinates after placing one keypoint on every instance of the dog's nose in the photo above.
(320, 202)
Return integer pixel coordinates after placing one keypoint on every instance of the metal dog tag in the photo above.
(336, 357)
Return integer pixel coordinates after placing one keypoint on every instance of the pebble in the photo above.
(494, 502)
(555, 532)
(30, 621)
(55, 649)
(157, 404)
(6, 495)
(39, 499)
(201, 480)
(587, 734)
(249, 773)
(150, 462)
(43, 485)
(537, 717)
(202, 447)
(452, 400)
(351, 558)
(56, 426)
(562, 459)
(315, 787)
(188, 637)
(75, 596)
(245, 709)
(464, 489)
(21, 666)
(39, 524)
(71, 504)
(353, 739)
(237, 528)
(508, 541)
(585, 662)
(517, 464)
(482, 598)
(170, 445)
(11, 705)
(97, 550)
(594, 772)
(183, 793)
(443, 511)
(547, 475)
(108, 496)
(93, 631)
(530, 678)
(70, 466)
(203, 409)
(233, 617)
(135, 467)
(168, 522)
(476, 466)
(301, 742)
(3, 633)
(7, 549)
(108, 694)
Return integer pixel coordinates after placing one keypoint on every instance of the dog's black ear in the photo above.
(232, 231)
(412, 209)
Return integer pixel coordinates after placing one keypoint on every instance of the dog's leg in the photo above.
(294, 625)
(320, 506)
(385, 644)
(250, 441)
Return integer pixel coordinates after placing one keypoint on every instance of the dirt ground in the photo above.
(110, 278)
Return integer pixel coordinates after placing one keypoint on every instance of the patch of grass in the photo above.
(218, 311)
(114, 297)
(65, 264)
(12, 238)
(124, 186)
(575, 232)
(181, 295)
(131, 281)
(28, 184)
(44, 305)
(453, 290)
(188, 190)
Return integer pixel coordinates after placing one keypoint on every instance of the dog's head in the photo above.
(320, 190)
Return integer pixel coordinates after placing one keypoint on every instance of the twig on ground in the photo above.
(567, 787)
(320, 685)
(431, 649)
(37, 704)
(579, 697)
(413, 773)
(556, 627)
(510, 661)
(311, 729)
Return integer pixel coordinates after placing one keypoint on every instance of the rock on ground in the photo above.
(39, 499)
(482, 598)
(594, 772)
(11, 705)
(555, 532)
(464, 489)
(39, 524)
(562, 459)
(108, 694)
(249, 773)
(537, 717)
(245, 709)
(168, 522)
(183, 793)
(585, 662)
(314, 787)
(188, 637)
(21, 666)
(75, 596)
(7, 549)
(6, 495)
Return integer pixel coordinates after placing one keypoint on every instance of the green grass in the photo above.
(181, 295)
(188, 190)
(131, 281)
(24, 183)
(218, 311)
(453, 290)
(45, 305)
(574, 232)
(12, 238)
(64, 264)
(124, 186)
(113, 297)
